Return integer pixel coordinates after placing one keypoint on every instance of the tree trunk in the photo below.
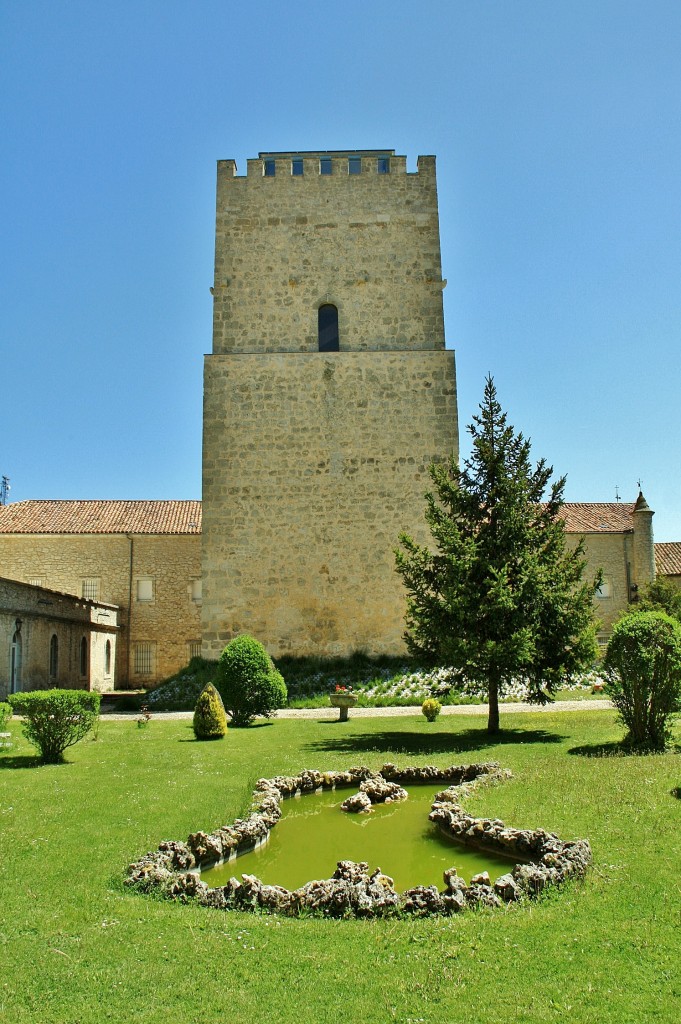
(493, 717)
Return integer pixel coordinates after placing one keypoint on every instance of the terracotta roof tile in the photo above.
(668, 558)
(154, 517)
(598, 517)
(184, 517)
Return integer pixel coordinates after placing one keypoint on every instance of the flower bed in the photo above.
(173, 870)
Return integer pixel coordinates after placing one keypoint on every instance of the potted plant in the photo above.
(343, 698)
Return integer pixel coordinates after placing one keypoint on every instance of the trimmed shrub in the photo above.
(248, 682)
(5, 715)
(210, 720)
(431, 708)
(643, 667)
(55, 719)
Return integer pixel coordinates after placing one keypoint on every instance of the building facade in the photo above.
(144, 557)
(48, 639)
(327, 395)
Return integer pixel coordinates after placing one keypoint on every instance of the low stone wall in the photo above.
(173, 870)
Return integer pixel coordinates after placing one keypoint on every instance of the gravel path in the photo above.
(328, 714)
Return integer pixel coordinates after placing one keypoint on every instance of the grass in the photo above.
(381, 681)
(79, 948)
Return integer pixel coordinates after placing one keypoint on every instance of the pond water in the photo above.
(313, 834)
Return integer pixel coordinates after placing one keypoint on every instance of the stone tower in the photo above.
(327, 395)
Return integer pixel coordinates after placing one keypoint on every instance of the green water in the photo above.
(313, 834)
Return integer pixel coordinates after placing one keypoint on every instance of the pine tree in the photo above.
(502, 597)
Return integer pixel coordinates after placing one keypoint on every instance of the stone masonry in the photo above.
(314, 461)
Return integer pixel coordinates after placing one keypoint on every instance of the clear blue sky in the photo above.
(557, 129)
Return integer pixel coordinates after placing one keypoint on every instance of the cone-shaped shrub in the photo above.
(248, 682)
(210, 720)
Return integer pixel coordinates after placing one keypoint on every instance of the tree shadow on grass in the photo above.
(677, 792)
(432, 743)
(618, 748)
(22, 761)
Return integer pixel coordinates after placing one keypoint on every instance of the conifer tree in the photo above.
(501, 597)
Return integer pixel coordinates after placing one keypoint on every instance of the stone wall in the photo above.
(170, 622)
(368, 243)
(30, 617)
(313, 464)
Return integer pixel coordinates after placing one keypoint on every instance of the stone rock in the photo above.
(379, 791)
(422, 901)
(358, 803)
(507, 888)
(482, 878)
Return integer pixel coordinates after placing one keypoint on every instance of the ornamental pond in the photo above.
(313, 834)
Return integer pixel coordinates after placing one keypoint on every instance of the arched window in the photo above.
(15, 664)
(83, 656)
(328, 328)
(107, 658)
(54, 656)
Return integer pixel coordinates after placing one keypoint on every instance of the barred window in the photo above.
(144, 658)
(54, 656)
(37, 581)
(89, 589)
(194, 649)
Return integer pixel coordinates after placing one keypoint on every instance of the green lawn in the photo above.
(78, 948)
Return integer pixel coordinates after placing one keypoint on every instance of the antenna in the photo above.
(4, 490)
(617, 493)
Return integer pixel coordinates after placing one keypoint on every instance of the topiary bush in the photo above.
(431, 708)
(55, 719)
(643, 669)
(248, 682)
(210, 720)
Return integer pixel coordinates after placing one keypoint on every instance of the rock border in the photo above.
(173, 870)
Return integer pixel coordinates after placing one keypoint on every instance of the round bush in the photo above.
(643, 666)
(248, 682)
(431, 708)
(210, 720)
(55, 719)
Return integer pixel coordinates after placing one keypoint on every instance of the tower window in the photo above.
(297, 167)
(325, 165)
(327, 322)
(354, 165)
(268, 168)
(383, 165)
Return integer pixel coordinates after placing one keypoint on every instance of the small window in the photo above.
(354, 165)
(144, 659)
(89, 589)
(196, 591)
(327, 328)
(605, 589)
(383, 165)
(325, 165)
(145, 589)
(37, 581)
(268, 168)
(107, 658)
(297, 167)
(54, 656)
(194, 649)
(83, 656)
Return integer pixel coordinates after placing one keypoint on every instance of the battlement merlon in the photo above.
(339, 158)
